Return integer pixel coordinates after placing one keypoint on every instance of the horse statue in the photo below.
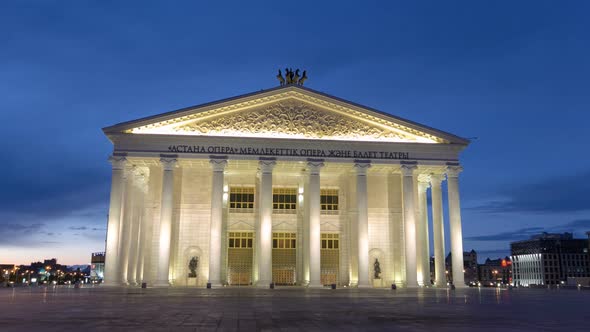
(303, 78)
(280, 78)
(296, 76)
(288, 75)
(292, 76)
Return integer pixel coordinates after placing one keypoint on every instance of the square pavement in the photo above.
(98, 308)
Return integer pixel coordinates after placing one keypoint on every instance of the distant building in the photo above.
(97, 266)
(495, 271)
(469, 266)
(549, 259)
(6, 271)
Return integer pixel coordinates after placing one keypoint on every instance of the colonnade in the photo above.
(127, 225)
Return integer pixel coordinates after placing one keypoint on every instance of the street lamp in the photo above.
(16, 268)
(48, 273)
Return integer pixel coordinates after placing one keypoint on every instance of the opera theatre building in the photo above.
(285, 186)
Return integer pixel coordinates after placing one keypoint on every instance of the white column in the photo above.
(115, 213)
(138, 208)
(438, 232)
(127, 220)
(264, 234)
(409, 224)
(422, 248)
(362, 224)
(162, 275)
(218, 166)
(313, 203)
(455, 225)
(142, 245)
(133, 235)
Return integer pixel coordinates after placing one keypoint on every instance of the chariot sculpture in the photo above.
(292, 77)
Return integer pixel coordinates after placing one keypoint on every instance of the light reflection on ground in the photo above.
(232, 309)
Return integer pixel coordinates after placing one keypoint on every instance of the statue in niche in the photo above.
(192, 266)
(376, 269)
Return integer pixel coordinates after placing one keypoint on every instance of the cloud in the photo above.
(579, 226)
(492, 254)
(554, 195)
(515, 235)
(576, 225)
(78, 228)
(11, 229)
(22, 235)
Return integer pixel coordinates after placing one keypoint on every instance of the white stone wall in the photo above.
(192, 211)
(154, 201)
(379, 236)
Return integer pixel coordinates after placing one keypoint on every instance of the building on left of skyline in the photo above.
(97, 267)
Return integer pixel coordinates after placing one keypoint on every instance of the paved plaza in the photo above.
(292, 309)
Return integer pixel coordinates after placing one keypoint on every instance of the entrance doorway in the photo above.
(239, 258)
(284, 258)
(330, 258)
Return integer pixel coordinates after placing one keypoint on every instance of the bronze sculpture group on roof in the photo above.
(291, 77)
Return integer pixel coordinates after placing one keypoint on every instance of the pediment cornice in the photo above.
(288, 112)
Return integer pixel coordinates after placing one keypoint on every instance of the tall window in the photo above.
(330, 241)
(284, 199)
(241, 199)
(329, 200)
(240, 240)
(284, 240)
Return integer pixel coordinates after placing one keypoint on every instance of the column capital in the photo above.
(362, 166)
(436, 180)
(314, 166)
(218, 165)
(118, 162)
(265, 166)
(423, 182)
(140, 177)
(408, 169)
(453, 171)
(168, 163)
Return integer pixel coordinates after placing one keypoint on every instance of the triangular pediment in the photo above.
(288, 112)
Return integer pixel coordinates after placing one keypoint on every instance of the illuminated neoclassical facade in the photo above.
(287, 186)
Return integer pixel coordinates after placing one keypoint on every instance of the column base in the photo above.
(315, 285)
(364, 286)
(161, 283)
(215, 284)
(264, 284)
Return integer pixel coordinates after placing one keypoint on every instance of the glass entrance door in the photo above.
(284, 258)
(330, 258)
(239, 258)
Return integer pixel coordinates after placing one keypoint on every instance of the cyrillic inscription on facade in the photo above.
(288, 152)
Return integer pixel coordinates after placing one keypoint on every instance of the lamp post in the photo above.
(48, 273)
(16, 268)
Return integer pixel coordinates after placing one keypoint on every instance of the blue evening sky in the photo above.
(514, 74)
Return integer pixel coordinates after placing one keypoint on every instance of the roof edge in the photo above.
(119, 127)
